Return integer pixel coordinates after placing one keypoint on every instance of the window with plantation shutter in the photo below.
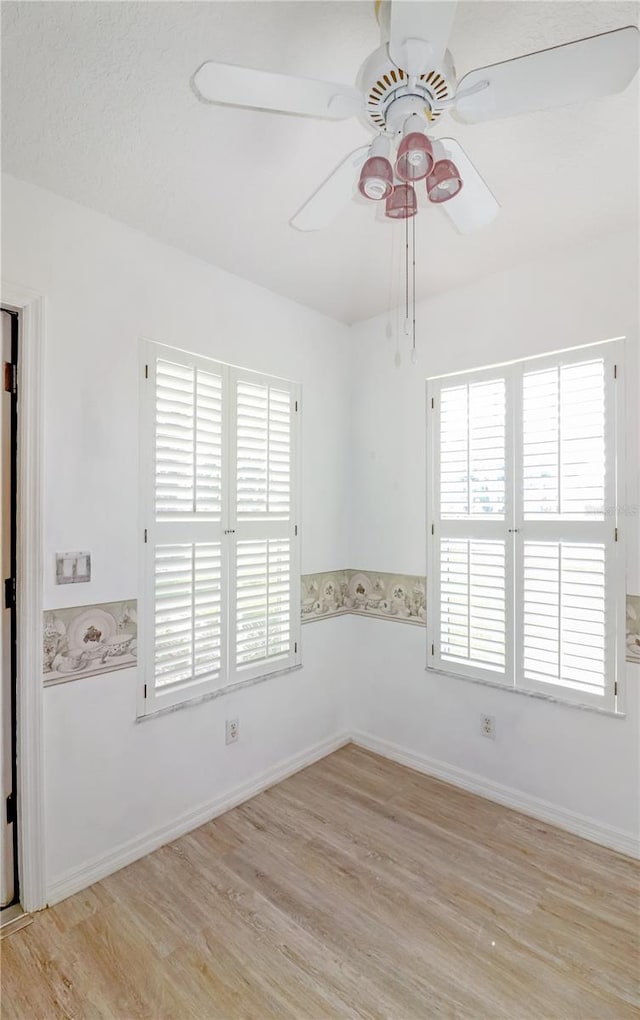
(264, 575)
(470, 559)
(220, 571)
(525, 585)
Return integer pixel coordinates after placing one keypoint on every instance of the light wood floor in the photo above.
(356, 888)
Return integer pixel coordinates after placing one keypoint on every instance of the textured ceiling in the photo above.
(96, 106)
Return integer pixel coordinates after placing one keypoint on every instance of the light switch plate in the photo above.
(73, 567)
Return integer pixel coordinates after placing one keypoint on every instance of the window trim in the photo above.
(148, 702)
(613, 352)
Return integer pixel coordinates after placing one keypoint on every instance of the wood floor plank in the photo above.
(356, 890)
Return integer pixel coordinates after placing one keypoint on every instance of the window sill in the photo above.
(212, 695)
(539, 695)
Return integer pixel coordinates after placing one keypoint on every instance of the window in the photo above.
(525, 578)
(220, 571)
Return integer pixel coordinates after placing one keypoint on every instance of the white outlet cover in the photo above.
(488, 726)
(232, 730)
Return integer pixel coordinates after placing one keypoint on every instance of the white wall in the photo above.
(111, 781)
(576, 760)
(108, 778)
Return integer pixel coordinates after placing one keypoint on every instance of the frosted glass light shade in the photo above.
(401, 203)
(376, 178)
(415, 157)
(444, 181)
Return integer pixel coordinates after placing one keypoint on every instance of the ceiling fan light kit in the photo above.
(403, 89)
(376, 176)
(415, 154)
(402, 203)
(444, 182)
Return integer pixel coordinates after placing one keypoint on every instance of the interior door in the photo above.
(8, 876)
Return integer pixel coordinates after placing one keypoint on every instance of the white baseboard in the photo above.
(75, 879)
(580, 825)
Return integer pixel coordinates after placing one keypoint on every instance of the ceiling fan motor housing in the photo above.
(383, 85)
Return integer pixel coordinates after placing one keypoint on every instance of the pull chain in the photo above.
(406, 268)
(414, 352)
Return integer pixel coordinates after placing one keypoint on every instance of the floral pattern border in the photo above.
(633, 628)
(87, 640)
(399, 597)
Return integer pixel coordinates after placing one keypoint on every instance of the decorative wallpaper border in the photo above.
(399, 597)
(87, 640)
(633, 628)
(402, 598)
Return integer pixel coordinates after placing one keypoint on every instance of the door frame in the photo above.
(29, 550)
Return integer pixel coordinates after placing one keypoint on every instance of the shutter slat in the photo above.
(472, 450)
(263, 452)
(188, 614)
(188, 442)
(572, 577)
(472, 602)
(263, 596)
(563, 451)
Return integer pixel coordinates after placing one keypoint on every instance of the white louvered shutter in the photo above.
(524, 583)
(472, 450)
(472, 602)
(183, 638)
(470, 564)
(220, 574)
(563, 441)
(264, 570)
(565, 544)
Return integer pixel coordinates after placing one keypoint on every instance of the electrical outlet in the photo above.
(488, 726)
(232, 730)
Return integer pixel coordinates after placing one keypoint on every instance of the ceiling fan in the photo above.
(403, 89)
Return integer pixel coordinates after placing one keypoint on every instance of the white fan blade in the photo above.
(474, 206)
(413, 22)
(264, 90)
(332, 195)
(573, 73)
